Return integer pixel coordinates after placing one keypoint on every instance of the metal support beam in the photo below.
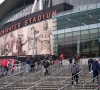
(40, 4)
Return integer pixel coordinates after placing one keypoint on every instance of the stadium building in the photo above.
(50, 27)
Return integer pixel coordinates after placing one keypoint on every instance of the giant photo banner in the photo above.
(12, 45)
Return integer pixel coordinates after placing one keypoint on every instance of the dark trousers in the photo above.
(32, 68)
(5, 70)
(95, 74)
(90, 66)
(75, 78)
(46, 71)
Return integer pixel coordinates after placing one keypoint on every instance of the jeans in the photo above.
(27, 67)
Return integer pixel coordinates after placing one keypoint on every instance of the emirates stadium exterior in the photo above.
(34, 27)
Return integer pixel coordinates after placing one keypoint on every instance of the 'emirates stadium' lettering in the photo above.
(28, 21)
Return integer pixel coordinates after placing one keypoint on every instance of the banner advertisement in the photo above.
(20, 41)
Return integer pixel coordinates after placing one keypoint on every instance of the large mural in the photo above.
(20, 42)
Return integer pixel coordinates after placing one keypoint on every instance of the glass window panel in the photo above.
(84, 18)
(76, 19)
(60, 41)
(55, 40)
(68, 34)
(93, 35)
(75, 15)
(68, 20)
(98, 10)
(85, 36)
(60, 35)
(69, 25)
(84, 23)
(68, 16)
(55, 45)
(60, 27)
(83, 13)
(76, 33)
(92, 11)
(84, 32)
(98, 15)
(54, 28)
(59, 18)
(94, 16)
(75, 24)
(76, 38)
(61, 22)
(94, 42)
(94, 30)
(93, 21)
(55, 49)
(55, 36)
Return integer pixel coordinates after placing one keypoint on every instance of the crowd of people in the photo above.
(45, 61)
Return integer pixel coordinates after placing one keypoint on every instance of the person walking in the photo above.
(27, 64)
(61, 58)
(74, 71)
(96, 70)
(46, 65)
(70, 59)
(6, 67)
(90, 63)
(32, 64)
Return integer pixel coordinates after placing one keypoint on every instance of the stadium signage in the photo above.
(34, 18)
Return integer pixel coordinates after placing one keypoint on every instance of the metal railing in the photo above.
(91, 84)
(60, 80)
(53, 72)
(31, 77)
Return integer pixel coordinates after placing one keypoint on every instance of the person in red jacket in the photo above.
(5, 65)
(61, 58)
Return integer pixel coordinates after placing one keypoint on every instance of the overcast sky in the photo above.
(1, 1)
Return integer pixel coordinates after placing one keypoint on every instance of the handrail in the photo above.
(91, 80)
(63, 87)
(60, 82)
(44, 79)
(32, 74)
(23, 78)
(12, 75)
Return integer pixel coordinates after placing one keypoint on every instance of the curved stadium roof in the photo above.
(9, 5)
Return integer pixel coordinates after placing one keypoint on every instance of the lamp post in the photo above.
(19, 43)
(35, 31)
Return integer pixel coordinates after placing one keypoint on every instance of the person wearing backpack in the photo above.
(74, 71)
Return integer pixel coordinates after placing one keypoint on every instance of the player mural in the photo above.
(20, 42)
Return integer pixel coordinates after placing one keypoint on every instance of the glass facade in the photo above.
(78, 31)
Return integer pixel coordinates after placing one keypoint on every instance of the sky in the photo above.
(1, 1)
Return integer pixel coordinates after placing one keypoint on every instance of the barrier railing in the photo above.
(54, 71)
(60, 80)
(33, 77)
(93, 85)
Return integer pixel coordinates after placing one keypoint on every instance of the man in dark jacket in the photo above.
(46, 65)
(96, 69)
(90, 63)
(32, 63)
